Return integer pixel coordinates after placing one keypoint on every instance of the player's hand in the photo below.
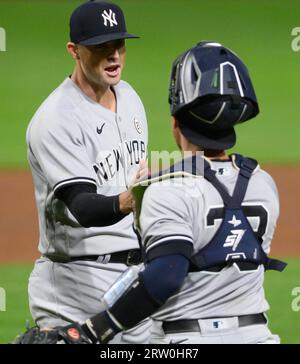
(126, 202)
(142, 172)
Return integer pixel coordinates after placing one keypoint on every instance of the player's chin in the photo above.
(113, 82)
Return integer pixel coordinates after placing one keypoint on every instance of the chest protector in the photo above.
(235, 241)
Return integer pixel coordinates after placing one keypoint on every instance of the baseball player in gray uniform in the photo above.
(205, 224)
(87, 144)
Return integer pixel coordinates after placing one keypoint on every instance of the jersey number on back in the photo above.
(258, 211)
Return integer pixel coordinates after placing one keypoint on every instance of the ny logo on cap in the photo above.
(111, 17)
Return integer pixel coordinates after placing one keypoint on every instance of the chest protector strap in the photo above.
(235, 240)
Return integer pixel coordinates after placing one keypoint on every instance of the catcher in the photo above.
(206, 224)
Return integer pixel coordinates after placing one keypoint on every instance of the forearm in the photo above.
(89, 208)
(94, 210)
(143, 294)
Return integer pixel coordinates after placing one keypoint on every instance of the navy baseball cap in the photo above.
(98, 22)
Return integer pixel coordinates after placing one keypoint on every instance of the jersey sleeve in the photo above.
(272, 204)
(58, 147)
(145, 123)
(166, 221)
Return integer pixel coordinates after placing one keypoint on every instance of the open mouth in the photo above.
(112, 70)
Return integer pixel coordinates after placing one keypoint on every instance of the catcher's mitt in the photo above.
(71, 334)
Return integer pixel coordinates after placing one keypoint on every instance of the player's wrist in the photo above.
(125, 200)
(100, 328)
(117, 207)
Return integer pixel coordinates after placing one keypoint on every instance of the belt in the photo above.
(128, 257)
(172, 327)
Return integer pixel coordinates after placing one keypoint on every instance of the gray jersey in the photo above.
(71, 139)
(180, 209)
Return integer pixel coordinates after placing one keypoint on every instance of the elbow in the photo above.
(83, 222)
(164, 276)
(170, 284)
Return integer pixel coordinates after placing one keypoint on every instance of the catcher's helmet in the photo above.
(211, 91)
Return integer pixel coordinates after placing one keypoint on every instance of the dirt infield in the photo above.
(19, 227)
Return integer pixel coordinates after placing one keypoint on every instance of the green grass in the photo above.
(258, 30)
(14, 279)
(279, 286)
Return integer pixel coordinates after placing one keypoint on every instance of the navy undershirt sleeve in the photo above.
(89, 208)
(164, 275)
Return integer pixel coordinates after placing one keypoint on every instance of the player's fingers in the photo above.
(144, 173)
(141, 172)
(143, 164)
(143, 169)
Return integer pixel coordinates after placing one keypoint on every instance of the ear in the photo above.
(175, 128)
(175, 124)
(176, 131)
(73, 50)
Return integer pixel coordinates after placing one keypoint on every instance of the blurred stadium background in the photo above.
(35, 62)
